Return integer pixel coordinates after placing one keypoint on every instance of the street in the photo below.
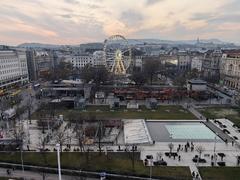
(29, 175)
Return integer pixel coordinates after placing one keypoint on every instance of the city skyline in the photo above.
(82, 21)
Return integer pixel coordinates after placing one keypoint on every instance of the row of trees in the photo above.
(181, 79)
(100, 74)
(147, 74)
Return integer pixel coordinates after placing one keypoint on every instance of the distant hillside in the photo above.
(158, 41)
(131, 42)
(38, 45)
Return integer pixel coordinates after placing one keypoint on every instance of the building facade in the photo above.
(40, 63)
(230, 69)
(197, 63)
(79, 61)
(13, 68)
(184, 61)
(211, 65)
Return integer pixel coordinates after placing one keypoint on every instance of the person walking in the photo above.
(193, 174)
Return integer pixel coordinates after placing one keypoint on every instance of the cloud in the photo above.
(226, 18)
(151, 2)
(203, 16)
(131, 17)
(78, 21)
(72, 1)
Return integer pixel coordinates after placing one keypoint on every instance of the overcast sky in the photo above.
(80, 21)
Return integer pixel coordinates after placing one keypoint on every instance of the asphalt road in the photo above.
(29, 175)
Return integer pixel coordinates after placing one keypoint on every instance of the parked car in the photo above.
(160, 163)
(200, 160)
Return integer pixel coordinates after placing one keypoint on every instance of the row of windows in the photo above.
(9, 77)
(8, 59)
(8, 66)
(9, 71)
(82, 58)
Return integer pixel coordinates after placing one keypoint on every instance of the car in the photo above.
(160, 163)
(149, 157)
(221, 163)
(172, 154)
(226, 131)
(200, 160)
(236, 138)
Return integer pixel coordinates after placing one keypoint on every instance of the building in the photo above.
(184, 61)
(80, 61)
(13, 67)
(137, 59)
(197, 63)
(40, 63)
(230, 69)
(196, 85)
(211, 65)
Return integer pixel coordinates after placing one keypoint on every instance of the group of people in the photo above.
(195, 175)
(9, 172)
(186, 147)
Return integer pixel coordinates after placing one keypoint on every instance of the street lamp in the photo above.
(214, 149)
(150, 164)
(171, 137)
(58, 159)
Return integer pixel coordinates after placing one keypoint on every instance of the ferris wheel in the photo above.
(117, 54)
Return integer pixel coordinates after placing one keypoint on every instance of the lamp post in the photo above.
(214, 149)
(171, 136)
(58, 159)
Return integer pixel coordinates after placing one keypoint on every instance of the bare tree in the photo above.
(42, 147)
(138, 77)
(79, 130)
(150, 69)
(100, 135)
(200, 149)
(29, 109)
(19, 112)
(61, 136)
(18, 133)
(130, 150)
(159, 156)
(170, 146)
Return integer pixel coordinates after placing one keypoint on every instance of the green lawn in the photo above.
(220, 173)
(104, 112)
(7, 178)
(230, 113)
(114, 162)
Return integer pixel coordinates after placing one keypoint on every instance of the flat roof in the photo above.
(197, 81)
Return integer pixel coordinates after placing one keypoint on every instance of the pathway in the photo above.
(30, 175)
(193, 168)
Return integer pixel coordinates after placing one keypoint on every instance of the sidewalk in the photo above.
(193, 168)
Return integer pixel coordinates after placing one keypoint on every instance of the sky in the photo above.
(81, 21)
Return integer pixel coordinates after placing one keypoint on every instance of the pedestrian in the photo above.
(226, 141)
(197, 175)
(193, 174)
(179, 158)
(211, 157)
(232, 143)
(8, 172)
